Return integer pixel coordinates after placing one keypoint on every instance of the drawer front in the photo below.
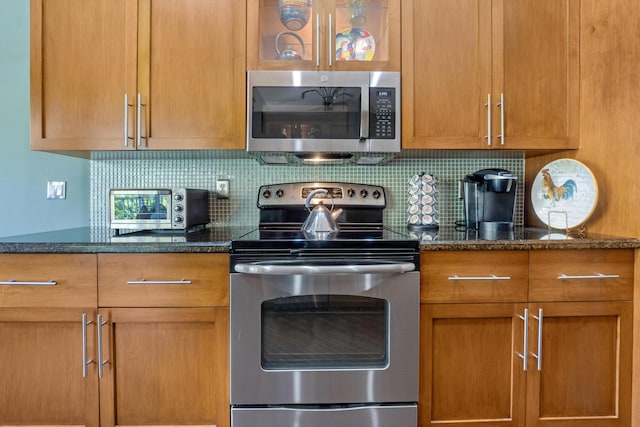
(48, 280)
(581, 275)
(474, 276)
(163, 280)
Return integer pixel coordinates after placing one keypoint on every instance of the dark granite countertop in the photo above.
(522, 238)
(217, 239)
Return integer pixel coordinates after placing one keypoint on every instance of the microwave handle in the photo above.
(364, 116)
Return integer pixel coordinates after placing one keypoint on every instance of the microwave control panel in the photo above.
(382, 116)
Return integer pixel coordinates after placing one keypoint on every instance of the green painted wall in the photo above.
(24, 207)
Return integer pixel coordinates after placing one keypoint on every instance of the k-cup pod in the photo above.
(413, 209)
(428, 209)
(414, 219)
(429, 179)
(428, 199)
(427, 219)
(414, 180)
(415, 189)
(413, 199)
(427, 188)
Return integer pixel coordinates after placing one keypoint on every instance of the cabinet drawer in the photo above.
(48, 280)
(163, 280)
(581, 275)
(473, 276)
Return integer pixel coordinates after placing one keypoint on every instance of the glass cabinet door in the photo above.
(323, 35)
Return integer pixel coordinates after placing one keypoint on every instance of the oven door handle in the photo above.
(270, 269)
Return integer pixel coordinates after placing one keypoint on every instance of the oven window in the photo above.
(306, 112)
(325, 332)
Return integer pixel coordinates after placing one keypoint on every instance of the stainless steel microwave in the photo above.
(178, 209)
(323, 115)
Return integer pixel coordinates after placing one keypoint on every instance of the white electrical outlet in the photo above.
(222, 189)
(56, 190)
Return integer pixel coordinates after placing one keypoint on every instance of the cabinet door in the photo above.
(469, 369)
(536, 68)
(83, 61)
(165, 366)
(191, 82)
(41, 367)
(446, 73)
(584, 377)
(324, 35)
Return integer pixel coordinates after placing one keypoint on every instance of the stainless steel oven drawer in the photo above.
(338, 416)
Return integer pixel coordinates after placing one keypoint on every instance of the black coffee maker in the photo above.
(489, 201)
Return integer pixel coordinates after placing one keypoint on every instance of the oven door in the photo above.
(334, 332)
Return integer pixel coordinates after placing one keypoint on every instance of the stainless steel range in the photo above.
(324, 326)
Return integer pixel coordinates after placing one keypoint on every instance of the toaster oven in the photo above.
(180, 209)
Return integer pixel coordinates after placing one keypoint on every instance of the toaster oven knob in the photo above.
(364, 193)
(178, 219)
(178, 208)
(376, 194)
(279, 193)
(177, 197)
(266, 194)
(351, 192)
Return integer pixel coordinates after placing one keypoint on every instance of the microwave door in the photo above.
(308, 118)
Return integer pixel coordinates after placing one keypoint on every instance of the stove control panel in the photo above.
(341, 193)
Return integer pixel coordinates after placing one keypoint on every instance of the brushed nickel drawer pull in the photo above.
(85, 362)
(593, 276)
(13, 282)
(159, 282)
(492, 277)
(539, 355)
(525, 341)
(101, 360)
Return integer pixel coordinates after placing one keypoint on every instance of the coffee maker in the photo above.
(489, 201)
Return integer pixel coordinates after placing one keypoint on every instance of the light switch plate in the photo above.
(56, 190)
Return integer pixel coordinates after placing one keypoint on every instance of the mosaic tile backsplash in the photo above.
(246, 175)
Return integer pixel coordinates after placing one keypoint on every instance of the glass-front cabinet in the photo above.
(323, 35)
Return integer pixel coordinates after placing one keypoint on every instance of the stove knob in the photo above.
(376, 194)
(279, 193)
(351, 192)
(364, 193)
(266, 194)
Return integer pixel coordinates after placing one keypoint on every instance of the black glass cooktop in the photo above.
(376, 238)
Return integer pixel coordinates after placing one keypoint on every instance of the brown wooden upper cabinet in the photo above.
(323, 35)
(137, 74)
(481, 74)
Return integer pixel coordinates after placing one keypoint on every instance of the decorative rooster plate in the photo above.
(564, 194)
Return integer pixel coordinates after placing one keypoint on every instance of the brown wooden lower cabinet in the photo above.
(472, 372)
(162, 358)
(41, 358)
(165, 366)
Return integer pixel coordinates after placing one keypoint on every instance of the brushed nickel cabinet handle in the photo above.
(158, 282)
(101, 361)
(488, 105)
(85, 362)
(525, 341)
(591, 276)
(21, 283)
(331, 39)
(127, 138)
(492, 277)
(139, 136)
(317, 40)
(539, 355)
(501, 105)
